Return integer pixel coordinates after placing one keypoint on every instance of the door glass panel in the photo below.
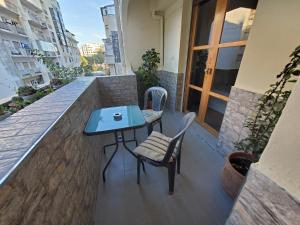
(227, 67)
(206, 14)
(194, 100)
(238, 20)
(198, 67)
(215, 112)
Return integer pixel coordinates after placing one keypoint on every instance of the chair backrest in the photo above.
(159, 97)
(176, 141)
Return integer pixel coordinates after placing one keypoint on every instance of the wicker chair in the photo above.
(162, 151)
(153, 115)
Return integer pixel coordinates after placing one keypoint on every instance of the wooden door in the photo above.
(219, 33)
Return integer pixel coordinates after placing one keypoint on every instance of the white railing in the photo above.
(30, 72)
(4, 26)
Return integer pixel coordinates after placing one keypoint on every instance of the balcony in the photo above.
(9, 7)
(109, 59)
(50, 171)
(36, 20)
(50, 54)
(32, 72)
(32, 4)
(12, 29)
(21, 52)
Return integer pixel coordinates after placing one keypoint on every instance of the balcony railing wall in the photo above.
(50, 171)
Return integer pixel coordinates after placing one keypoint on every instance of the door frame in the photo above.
(213, 49)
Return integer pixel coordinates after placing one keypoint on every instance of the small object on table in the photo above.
(101, 121)
(118, 116)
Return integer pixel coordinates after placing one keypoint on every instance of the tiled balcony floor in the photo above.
(198, 198)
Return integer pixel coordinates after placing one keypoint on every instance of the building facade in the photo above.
(90, 49)
(113, 57)
(26, 25)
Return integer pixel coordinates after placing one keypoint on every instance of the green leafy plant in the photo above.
(60, 72)
(26, 91)
(269, 109)
(2, 110)
(16, 104)
(56, 82)
(42, 93)
(147, 73)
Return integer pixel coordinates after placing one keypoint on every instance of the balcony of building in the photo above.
(43, 147)
(21, 52)
(31, 72)
(34, 5)
(36, 20)
(12, 29)
(9, 7)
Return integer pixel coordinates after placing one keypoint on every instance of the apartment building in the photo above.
(27, 25)
(90, 49)
(112, 41)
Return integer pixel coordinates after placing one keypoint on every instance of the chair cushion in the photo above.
(154, 147)
(150, 115)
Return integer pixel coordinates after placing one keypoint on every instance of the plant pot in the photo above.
(233, 177)
(5, 115)
(28, 97)
(55, 87)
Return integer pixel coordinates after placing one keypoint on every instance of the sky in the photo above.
(83, 18)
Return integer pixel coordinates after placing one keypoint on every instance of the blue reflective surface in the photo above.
(102, 120)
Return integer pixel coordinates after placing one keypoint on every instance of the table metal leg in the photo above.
(128, 149)
(115, 151)
(127, 141)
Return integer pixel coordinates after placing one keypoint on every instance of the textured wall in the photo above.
(240, 106)
(50, 169)
(57, 183)
(262, 201)
(118, 90)
(173, 83)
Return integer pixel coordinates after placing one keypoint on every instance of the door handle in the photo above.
(208, 70)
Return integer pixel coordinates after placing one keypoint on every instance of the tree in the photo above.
(83, 61)
(98, 58)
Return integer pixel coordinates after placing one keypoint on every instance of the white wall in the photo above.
(172, 32)
(141, 32)
(281, 159)
(274, 35)
(185, 34)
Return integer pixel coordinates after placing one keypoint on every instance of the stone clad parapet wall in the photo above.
(49, 169)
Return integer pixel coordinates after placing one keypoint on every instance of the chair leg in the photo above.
(171, 176)
(138, 169)
(160, 126)
(149, 128)
(134, 137)
(178, 162)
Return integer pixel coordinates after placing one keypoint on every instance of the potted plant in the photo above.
(146, 74)
(260, 126)
(3, 113)
(57, 83)
(26, 92)
(17, 103)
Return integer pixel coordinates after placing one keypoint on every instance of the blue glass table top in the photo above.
(102, 120)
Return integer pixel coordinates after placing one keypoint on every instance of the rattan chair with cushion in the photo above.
(158, 100)
(162, 151)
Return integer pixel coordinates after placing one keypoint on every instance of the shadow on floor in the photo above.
(198, 199)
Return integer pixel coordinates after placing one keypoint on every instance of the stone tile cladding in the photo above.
(173, 83)
(262, 201)
(118, 90)
(240, 106)
(49, 170)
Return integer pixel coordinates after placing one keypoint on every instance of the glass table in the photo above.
(102, 121)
